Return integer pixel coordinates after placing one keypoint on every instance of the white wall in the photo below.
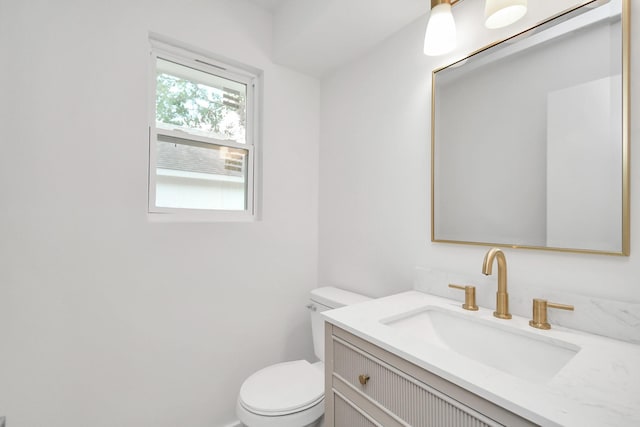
(375, 134)
(107, 319)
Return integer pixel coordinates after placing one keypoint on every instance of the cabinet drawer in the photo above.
(406, 399)
(348, 415)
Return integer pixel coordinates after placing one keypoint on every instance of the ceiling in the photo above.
(317, 36)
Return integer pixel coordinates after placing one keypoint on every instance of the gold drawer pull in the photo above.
(363, 379)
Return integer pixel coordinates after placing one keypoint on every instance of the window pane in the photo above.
(200, 103)
(193, 175)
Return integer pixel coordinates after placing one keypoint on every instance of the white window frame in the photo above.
(207, 64)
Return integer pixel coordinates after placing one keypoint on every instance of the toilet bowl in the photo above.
(291, 394)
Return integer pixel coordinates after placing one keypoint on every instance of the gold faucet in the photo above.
(502, 297)
(540, 312)
(469, 296)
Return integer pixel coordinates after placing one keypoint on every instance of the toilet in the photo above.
(291, 394)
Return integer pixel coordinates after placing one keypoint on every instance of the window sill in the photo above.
(203, 217)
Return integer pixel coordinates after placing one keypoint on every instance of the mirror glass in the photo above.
(530, 138)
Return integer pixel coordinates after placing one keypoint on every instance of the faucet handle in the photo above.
(540, 312)
(469, 296)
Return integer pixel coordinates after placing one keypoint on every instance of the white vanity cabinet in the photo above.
(396, 392)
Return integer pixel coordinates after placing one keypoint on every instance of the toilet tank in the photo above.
(328, 298)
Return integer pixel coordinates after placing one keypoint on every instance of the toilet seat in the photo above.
(283, 389)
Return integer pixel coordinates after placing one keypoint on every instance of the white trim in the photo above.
(162, 43)
(246, 75)
(198, 175)
(234, 424)
(180, 134)
(209, 66)
(199, 215)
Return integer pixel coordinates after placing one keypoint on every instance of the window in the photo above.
(201, 136)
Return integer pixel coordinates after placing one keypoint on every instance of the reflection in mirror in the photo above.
(530, 138)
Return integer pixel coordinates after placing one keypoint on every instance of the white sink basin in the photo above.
(524, 354)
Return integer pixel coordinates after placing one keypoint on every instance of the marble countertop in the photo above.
(600, 386)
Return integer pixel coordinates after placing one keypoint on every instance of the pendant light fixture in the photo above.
(440, 37)
(500, 13)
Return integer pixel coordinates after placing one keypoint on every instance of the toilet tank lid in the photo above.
(335, 297)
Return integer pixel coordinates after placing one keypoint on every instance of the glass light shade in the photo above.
(440, 37)
(500, 13)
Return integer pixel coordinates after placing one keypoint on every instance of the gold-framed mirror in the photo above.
(530, 137)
